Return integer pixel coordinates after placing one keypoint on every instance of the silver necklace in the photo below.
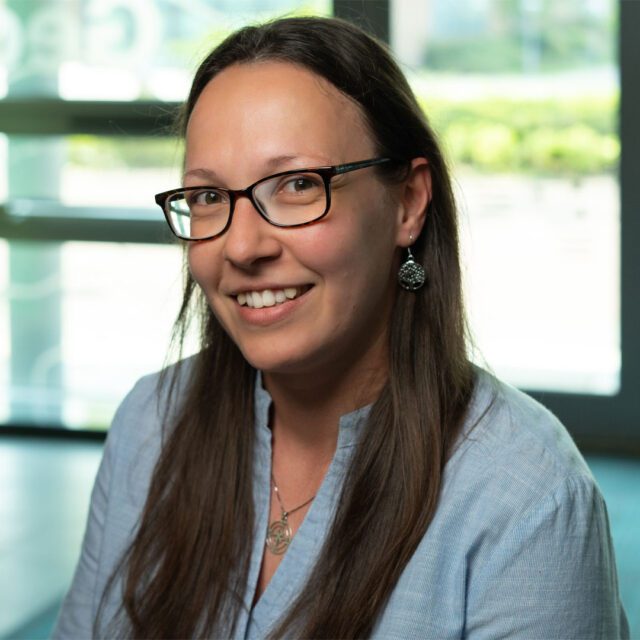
(279, 532)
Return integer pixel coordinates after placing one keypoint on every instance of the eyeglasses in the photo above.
(287, 199)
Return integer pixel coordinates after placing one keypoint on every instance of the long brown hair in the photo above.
(186, 570)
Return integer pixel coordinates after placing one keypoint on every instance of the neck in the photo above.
(307, 409)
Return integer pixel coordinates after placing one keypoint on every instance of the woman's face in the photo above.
(251, 121)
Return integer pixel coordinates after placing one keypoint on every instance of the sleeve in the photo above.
(76, 616)
(553, 575)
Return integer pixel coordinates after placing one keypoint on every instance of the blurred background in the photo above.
(536, 104)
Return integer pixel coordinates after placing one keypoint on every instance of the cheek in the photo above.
(203, 263)
(330, 251)
(354, 249)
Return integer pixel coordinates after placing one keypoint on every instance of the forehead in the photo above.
(270, 109)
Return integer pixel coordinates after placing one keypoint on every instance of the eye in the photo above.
(290, 190)
(205, 197)
(299, 184)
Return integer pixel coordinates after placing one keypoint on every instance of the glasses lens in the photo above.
(292, 199)
(198, 213)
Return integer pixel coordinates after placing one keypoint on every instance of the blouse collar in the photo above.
(349, 427)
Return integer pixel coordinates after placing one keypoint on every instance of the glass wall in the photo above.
(81, 321)
(524, 94)
(119, 49)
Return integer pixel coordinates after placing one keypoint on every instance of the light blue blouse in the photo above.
(519, 546)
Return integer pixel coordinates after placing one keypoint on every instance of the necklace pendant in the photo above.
(279, 535)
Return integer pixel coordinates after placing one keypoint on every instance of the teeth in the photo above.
(268, 297)
(256, 299)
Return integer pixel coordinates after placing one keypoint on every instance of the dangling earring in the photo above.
(411, 275)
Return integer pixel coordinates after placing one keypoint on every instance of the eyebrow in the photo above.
(199, 173)
(273, 164)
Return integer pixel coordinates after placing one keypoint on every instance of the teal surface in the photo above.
(619, 480)
(37, 477)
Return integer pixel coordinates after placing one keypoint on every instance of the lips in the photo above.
(269, 297)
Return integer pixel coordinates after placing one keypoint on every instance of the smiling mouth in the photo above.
(269, 297)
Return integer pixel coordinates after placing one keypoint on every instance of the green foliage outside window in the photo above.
(573, 137)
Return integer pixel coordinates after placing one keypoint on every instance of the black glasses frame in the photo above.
(326, 173)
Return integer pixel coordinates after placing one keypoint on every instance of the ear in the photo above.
(414, 197)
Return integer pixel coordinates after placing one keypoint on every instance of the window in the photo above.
(524, 95)
(89, 280)
(65, 85)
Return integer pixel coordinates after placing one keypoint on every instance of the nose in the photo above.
(250, 239)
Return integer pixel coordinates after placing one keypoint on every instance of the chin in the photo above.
(277, 365)
(286, 360)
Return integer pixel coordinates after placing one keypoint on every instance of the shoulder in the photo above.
(148, 409)
(515, 474)
(515, 466)
(517, 506)
(135, 440)
(511, 438)
(133, 445)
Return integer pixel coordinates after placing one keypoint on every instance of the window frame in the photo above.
(598, 423)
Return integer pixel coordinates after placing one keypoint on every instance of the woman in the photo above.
(330, 464)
